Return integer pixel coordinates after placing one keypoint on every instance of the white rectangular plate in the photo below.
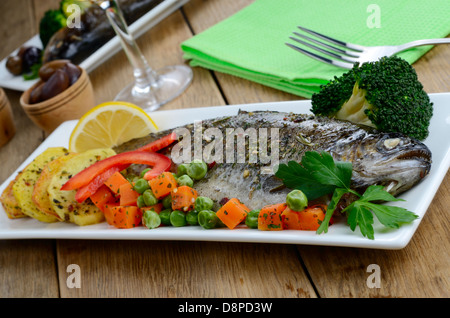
(139, 27)
(339, 234)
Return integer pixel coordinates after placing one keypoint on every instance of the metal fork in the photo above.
(344, 54)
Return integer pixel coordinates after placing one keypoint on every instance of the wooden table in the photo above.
(38, 268)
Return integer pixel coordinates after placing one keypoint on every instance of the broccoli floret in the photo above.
(385, 94)
(51, 22)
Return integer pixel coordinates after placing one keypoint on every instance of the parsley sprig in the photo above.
(319, 174)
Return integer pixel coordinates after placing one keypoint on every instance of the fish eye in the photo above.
(391, 143)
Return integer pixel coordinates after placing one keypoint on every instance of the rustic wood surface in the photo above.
(38, 268)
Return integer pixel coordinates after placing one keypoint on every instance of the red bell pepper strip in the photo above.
(86, 191)
(158, 162)
(160, 143)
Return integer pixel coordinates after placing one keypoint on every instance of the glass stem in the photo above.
(143, 74)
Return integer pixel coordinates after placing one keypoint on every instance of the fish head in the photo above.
(393, 160)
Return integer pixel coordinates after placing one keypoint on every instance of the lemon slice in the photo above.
(110, 124)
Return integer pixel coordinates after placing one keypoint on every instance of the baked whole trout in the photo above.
(389, 159)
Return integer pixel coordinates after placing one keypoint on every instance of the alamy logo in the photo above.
(73, 20)
(251, 145)
(374, 18)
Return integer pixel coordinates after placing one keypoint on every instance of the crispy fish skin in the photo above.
(390, 159)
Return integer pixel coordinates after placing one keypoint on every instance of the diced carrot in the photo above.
(123, 217)
(269, 218)
(290, 219)
(128, 196)
(109, 213)
(158, 207)
(115, 181)
(311, 217)
(102, 196)
(232, 213)
(183, 198)
(163, 184)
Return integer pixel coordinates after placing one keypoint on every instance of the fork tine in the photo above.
(335, 49)
(321, 58)
(334, 41)
(337, 56)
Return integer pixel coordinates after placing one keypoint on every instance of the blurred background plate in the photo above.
(139, 27)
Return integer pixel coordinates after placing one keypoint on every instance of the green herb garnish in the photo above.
(318, 174)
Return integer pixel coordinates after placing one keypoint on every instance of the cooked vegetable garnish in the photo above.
(203, 203)
(269, 218)
(185, 180)
(163, 184)
(177, 218)
(308, 219)
(103, 196)
(123, 217)
(160, 163)
(297, 200)
(321, 169)
(183, 198)
(192, 217)
(208, 219)
(197, 169)
(128, 195)
(252, 219)
(232, 213)
(151, 219)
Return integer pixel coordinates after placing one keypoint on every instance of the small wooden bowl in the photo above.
(72, 103)
(7, 126)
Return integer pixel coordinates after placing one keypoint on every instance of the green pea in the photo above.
(185, 180)
(192, 217)
(140, 201)
(167, 202)
(182, 169)
(164, 215)
(197, 169)
(141, 185)
(203, 203)
(143, 172)
(149, 198)
(207, 219)
(252, 219)
(151, 219)
(296, 200)
(177, 218)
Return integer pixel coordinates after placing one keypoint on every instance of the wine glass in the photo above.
(151, 88)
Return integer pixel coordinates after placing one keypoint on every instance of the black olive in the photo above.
(31, 56)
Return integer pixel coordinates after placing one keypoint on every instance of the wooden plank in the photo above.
(27, 267)
(182, 269)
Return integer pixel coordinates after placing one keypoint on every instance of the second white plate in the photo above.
(139, 27)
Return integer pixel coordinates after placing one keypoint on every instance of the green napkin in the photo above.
(251, 43)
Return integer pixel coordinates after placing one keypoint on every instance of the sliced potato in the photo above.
(9, 202)
(24, 185)
(40, 195)
(63, 202)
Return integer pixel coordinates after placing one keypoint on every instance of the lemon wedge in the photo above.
(110, 124)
